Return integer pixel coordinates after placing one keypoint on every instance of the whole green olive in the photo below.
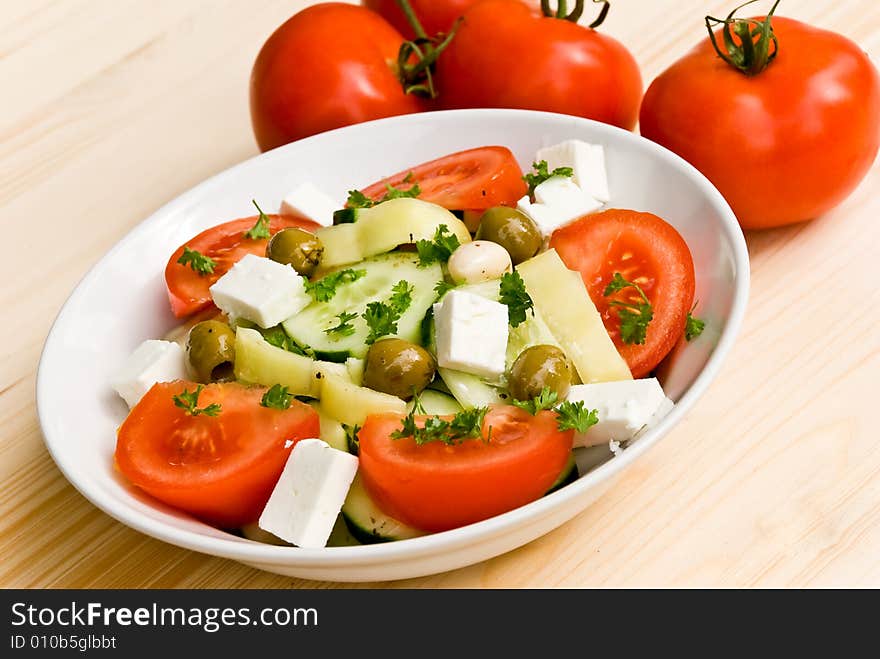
(398, 367)
(513, 230)
(210, 351)
(296, 247)
(538, 367)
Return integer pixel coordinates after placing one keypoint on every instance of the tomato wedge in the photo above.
(474, 179)
(646, 250)
(436, 487)
(226, 244)
(219, 468)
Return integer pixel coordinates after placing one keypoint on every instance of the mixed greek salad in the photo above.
(431, 353)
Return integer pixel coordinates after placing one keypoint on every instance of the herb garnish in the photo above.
(634, 318)
(323, 290)
(357, 199)
(442, 288)
(188, 401)
(541, 174)
(514, 295)
(203, 265)
(467, 424)
(344, 327)
(693, 326)
(382, 317)
(260, 230)
(570, 415)
(277, 337)
(545, 400)
(439, 249)
(277, 397)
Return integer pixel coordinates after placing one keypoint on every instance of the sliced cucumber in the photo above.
(346, 215)
(350, 404)
(470, 390)
(309, 326)
(332, 431)
(568, 475)
(532, 332)
(434, 402)
(383, 227)
(367, 522)
(340, 536)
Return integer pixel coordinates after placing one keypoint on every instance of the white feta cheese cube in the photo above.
(558, 201)
(309, 494)
(587, 162)
(152, 361)
(624, 407)
(471, 333)
(307, 200)
(260, 290)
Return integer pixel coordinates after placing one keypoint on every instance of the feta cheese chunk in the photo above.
(624, 408)
(152, 361)
(558, 201)
(309, 494)
(471, 333)
(307, 200)
(260, 290)
(587, 162)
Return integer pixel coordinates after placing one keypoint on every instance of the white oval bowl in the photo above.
(122, 301)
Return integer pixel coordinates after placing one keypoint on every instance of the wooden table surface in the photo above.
(112, 107)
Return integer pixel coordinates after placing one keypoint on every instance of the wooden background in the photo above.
(112, 107)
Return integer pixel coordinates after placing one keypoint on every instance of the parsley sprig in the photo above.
(439, 249)
(541, 174)
(357, 199)
(514, 295)
(324, 289)
(277, 337)
(693, 326)
(545, 400)
(570, 415)
(260, 230)
(277, 397)
(188, 401)
(344, 327)
(634, 317)
(203, 265)
(382, 317)
(467, 424)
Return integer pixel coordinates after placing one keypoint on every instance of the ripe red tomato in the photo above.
(645, 250)
(328, 66)
(226, 244)
(221, 468)
(474, 179)
(783, 145)
(434, 15)
(436, 487)
(560, 66)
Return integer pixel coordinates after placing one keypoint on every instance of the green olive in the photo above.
(210, 351)
(398, 367)
(538, 367)
(513, 230)
(296, 247)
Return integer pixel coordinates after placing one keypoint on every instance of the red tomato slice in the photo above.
(226, 244)
(436, 487)
(221, 469)
(475, 179)
(645, 250)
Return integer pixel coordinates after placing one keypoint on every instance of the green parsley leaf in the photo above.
(344, 328)
(382, 317)
(397, 193)
(323, 290)
(543, 401)
(189, 400)
(693, 326)
(357, 199)
(439, 249)
(351, 438)
(514, 295)
(203, 265)
(573, 416)
(277, 397)
(260, 230)
(401, 296)
(541, 174)
(277, 337)
(634, 316)
(467, 424)
(442, 288)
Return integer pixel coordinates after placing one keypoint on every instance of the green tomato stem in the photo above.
(561, 11)
(747, 41)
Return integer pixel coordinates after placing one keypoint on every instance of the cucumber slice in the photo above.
(350, 404)
(367, 522)
(433, 402)
(532, 332)
(383, 227)
(346, 216)
(332, 431)
(383, 272)
(340, 536)
(470, 390)
(568, 475)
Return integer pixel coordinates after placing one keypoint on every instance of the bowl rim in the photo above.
(244, 550)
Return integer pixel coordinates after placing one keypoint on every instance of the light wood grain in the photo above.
(112, 107)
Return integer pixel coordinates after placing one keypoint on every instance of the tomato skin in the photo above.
(475, 179)
(783, 146)
(221, 469)
(187, 290)
(326, 67)
(562, 66)
(434, 15)
(656, 252)
(436, 487)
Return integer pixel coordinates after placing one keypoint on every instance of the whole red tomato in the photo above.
(434, 15)
(328, 66)
(783, 144)
(507, 54)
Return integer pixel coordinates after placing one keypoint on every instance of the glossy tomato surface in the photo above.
(226, 244)
(220, 468)
(507, 54)
(645, 250)
(782, 146)
(434, 15)
(328, 66)
(436, 487)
